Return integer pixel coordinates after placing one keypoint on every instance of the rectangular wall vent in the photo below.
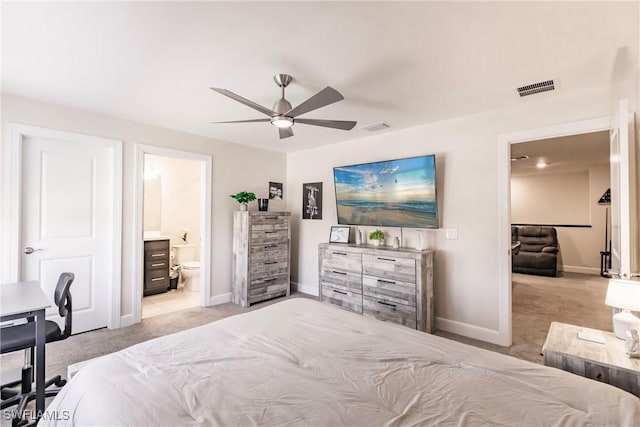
(536, 88)
(376, 127)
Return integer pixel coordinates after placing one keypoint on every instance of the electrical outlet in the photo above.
(452, 233)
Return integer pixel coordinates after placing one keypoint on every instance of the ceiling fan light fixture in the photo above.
(282, 121)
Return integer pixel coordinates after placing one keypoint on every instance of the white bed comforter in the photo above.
(300, 362)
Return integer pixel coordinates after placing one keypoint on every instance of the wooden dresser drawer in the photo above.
(333, 259)
(156, 245)
(388, 267)
(345, 280)
(267, 269)
(270, 251)
(281, 221)
(389, 311)
(259, 237)
(263, 287)
(155, 253)
(389, 290)
(341, 298)
(156, 278)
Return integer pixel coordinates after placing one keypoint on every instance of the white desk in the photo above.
(24, 299)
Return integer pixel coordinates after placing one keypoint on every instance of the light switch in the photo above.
(452, 233)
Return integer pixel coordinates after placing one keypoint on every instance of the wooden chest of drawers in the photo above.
(394, 285)
(261, 268)
(156, 266)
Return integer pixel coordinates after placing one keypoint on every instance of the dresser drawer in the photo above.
(156, 278)
(270, 268)
(388, 267)
(154, 254)
(389, 290)
(389, 311)
(159, 264)
(282, 221)
(259, 237)
(333, 259)
(345, 280)
(344, 299)
(156, 245)
(270, 251)
(267, 286)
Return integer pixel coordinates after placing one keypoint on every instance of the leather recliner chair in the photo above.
(538, 252)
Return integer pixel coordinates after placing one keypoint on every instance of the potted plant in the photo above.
(376, 236)
(243, 198)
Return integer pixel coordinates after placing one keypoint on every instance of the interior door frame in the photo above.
(206, 186)
(11, 199)
(504, 203)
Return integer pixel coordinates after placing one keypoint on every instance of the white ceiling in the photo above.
(405, 63)
(575, 153)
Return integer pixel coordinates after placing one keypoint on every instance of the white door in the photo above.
(623, 192)
(67, 219)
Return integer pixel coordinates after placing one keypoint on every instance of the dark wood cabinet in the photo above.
(156, 266)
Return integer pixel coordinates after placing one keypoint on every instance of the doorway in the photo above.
(172, 221)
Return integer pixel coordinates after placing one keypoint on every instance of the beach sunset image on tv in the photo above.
(395, 193)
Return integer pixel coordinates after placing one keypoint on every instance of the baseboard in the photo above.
(126, 320)
(476, 332)
(221, 299)
(307, 289)
(583, 270)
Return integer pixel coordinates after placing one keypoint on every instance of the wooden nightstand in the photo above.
(606, 362)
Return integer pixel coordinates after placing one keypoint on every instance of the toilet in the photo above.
(184, 256)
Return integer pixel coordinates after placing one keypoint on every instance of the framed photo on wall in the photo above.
(275, 190)
(339, 234)
(312, 200)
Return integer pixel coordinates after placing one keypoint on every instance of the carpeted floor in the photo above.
(537, 301)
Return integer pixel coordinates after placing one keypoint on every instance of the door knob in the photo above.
(29, 250)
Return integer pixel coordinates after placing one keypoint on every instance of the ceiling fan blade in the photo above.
(245, 101)
(285, 132)
(335, 124)
(326, 96)
(244, 121)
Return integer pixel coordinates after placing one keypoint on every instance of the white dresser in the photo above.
(395, 285)
(261, 261)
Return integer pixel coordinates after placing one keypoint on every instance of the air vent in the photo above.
(536, 88)
(376, 127)
(523, 157)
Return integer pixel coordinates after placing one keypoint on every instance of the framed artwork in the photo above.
(312, 200)
(339, 234)
(275, 190)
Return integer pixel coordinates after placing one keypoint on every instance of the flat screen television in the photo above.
(394, 193)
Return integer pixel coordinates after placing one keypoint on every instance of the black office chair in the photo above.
(23, 337)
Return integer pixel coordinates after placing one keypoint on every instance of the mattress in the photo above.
(300, 362)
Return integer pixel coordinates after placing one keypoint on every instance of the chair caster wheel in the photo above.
(60, 383)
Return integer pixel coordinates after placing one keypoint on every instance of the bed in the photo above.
(301, 362)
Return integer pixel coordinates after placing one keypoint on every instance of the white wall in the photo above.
(579, 247)
(235, 168)
(466, 149)
(180, 198)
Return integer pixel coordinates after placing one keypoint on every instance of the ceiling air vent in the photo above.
(376, 127)
(536, 88)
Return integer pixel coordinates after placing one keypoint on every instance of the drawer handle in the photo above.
(157, 278)
(391, 282)
(269, 232)
(155, 255)
(270, 280)
(387, 304)
(339, 253)
(271, 246)
(157, 265)
(599, 376)
(270, 217)
(270, 262)
(339, 292)
(339, 272)
(386, 259)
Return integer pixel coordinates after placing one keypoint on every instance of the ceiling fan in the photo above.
(283, 116)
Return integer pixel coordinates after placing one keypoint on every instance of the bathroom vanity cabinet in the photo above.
(156, 266)
(261, 261)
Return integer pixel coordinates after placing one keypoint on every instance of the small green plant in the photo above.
(376, 235)
(243, 197)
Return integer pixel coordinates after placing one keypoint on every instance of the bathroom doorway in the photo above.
(173, 217)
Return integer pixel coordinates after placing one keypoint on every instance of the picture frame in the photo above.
(312, 200)
(339, 234)
(275, 190)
